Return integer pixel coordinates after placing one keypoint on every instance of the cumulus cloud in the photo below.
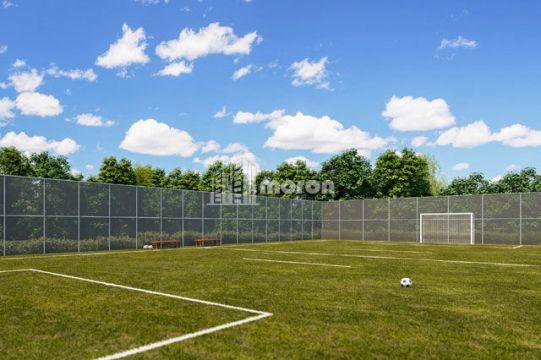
(33, 144)
(243, 71)
(418, 114)
(311, 164)
(93, 120)
(128, 50)
(36, 104)
(235, 153)
(210, 146)
(461, 166)
(459, 42)
(156, 138)
(213, 39)
(3, 49)
(19, 63)
(419, 141)
(320, 135)
(176, 69)
(306, 72)
(222, 113)
(243, 117)
(73, 74)
(26, 81)
(6, 107)
(478, 133)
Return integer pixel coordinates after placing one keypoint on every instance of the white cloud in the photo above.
(6, 105)
(33, 103)
(74, 74)
(243, 71)
(311, 164)
(495, 179)
(3, 49)
(518, 135)
(210, 146)
(33, 144)
(469, 136)
(461, 166)
(128, 50)
(478, 133)
(512, 167)
(246, 117)
(156, 138)
(3, 85)
(93, 120)
(306, 72)
(89, 167)
(320, 135)
(419, 141)
(26, 81)
(459, 42)
(247, 160)
(222, 113)
(234, 148)
(213, 39)
(19, 63)
(6, 4)
(418, 114)
(176, 69)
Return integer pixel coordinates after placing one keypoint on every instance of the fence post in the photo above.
(4, 217)
(79, 217)
(109, 234)
(161, 213)
(363, 218)
(44, 215)
(417, 219)
(279, 220)
(266, 220)
(388, 219)
(202, 215)
(520, 221)
(182, 215)
(137, 217)
(339, 220)
(482, 218)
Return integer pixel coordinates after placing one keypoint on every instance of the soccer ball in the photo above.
(406, 282)
(147, 246)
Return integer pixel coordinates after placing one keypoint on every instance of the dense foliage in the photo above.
(394, 174)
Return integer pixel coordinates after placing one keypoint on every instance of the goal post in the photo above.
(449, 228)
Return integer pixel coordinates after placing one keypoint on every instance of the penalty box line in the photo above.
(258, 314)
(381, 257)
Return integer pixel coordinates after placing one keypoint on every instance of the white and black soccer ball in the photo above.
(406, 282)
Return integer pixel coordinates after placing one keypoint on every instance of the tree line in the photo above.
(393, 174)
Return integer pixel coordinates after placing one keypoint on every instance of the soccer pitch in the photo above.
(299, 299)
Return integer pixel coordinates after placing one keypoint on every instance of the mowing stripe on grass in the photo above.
(383, 257)
(393, 251)
(110, 252)
(259, 314)
(297, 262)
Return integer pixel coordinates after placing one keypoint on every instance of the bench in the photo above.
(210, 241)
(159, 243)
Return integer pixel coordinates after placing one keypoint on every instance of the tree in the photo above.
(223, 176)
(472, 185)
(264, 177)
(294, 177)
(13, 162)
(113, 171)
(527, 180)
(45, 165)
(351, 174)
(144, 175)
(190, 180)
(437, 182)
(404, 174)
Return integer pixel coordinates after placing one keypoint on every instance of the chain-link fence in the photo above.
(498, 218)
(48, 216)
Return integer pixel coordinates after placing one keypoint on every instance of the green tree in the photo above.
(472, 185)
(262, 178)
(45, 165)
(113, 171)
(222, 176)
(190, 180)
(404, 174)
(13, 162)
(144, 175)
(295, 177)
(351, 174)
(527, 180)
(437, 181)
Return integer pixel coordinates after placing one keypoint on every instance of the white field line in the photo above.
(384, 257)
(517, 247)
(100, 253)
(259, 314)
(297, 262)
(392, 251)
(14, 270)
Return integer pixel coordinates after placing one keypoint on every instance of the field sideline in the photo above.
(311, 299)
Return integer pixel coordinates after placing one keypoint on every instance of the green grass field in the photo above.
(467, 302)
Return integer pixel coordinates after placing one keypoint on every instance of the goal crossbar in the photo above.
(447, 228)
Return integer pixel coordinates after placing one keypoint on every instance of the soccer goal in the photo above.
(450, 228)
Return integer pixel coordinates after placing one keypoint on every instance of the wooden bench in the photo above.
(210, 241)
(159, 243)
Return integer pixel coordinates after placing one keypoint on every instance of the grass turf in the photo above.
(454, 310)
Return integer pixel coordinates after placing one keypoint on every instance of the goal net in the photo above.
(450, 228)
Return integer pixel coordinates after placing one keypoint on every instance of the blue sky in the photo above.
(149, 79)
